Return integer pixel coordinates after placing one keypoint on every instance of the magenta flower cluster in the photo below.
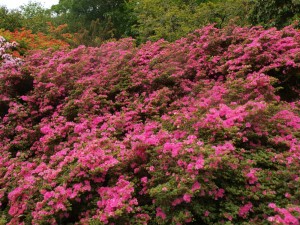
(204, 130)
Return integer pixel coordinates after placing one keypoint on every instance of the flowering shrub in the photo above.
(29, 41)
(204, 130)
(5, 52)
(288, 218)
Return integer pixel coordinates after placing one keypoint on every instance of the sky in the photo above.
(13, 4)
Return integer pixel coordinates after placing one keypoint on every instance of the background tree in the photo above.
(172, 19)
(278, 13)
(10, 19)
(224, 12)
(163, 19)
(114, 17)
(35, 17)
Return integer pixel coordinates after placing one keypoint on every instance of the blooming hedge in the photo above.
(204, 130)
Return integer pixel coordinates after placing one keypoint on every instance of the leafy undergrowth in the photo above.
(201, 131)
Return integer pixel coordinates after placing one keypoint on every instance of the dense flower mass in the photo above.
(204, 130)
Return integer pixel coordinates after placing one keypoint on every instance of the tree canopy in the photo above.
(278, 13)
(83, 12)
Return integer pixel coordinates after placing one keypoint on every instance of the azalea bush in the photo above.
(28, 41)
(6, 50)
(204, 130)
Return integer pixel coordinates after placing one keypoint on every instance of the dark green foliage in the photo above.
(10, 20)
(112, 17)
(278, 13)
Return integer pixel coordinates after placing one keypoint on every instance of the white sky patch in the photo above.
(14, 4)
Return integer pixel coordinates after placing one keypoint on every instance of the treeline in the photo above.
(95, 21)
